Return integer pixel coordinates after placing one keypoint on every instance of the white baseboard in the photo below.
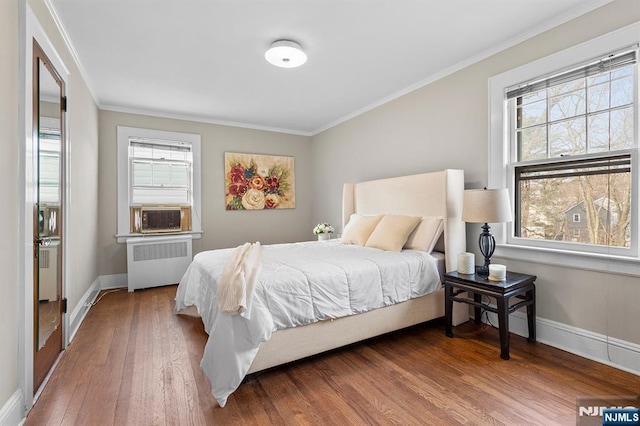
(13, 412)
(594, 346)
(103, 282)
(113, 281)
(81, 309)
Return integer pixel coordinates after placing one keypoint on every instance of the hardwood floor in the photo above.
(135, 362)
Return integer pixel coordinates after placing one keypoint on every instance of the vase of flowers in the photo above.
(323, 231)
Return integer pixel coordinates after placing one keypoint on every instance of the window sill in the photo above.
(610, 264)
(122, 238)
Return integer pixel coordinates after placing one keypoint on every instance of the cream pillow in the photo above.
(392, 232)
(358, 229)
(426, 234)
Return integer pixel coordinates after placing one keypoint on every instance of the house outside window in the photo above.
(564, 140)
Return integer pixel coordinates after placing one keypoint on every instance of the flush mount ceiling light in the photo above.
(285, 54)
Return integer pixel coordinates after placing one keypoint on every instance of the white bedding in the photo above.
(300, 283)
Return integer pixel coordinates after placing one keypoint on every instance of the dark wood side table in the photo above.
(520, 286)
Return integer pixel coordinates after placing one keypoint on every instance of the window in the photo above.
(570, 136)
(50, 167)
(564, 140)
(158, 172)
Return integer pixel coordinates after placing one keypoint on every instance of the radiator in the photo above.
(48, 272)
(155, 261)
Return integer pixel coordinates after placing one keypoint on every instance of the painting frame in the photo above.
(259, 181)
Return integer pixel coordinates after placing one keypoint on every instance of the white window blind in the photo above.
(160, 172)
(607, 63)
(49, 167)
(49, 177)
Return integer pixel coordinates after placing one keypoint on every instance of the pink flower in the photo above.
(238, 179)
(237, 189)
(272, 201)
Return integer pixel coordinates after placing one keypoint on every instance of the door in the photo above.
(48, 133)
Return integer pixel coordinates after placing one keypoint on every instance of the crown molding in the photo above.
(199, 119)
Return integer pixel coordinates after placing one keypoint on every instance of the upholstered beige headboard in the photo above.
(427, 194)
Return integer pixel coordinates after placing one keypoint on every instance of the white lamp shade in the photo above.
(486, 206)
(285, 54)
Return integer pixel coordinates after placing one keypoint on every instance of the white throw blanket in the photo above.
(235, 291)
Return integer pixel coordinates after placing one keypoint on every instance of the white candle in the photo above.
(466, 263)
(498, 272)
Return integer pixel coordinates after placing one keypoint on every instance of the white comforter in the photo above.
(299, 284)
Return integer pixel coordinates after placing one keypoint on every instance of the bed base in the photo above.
(300, 342)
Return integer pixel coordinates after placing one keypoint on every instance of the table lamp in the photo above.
(486, 206)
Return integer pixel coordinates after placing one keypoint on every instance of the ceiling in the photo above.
(204, 59)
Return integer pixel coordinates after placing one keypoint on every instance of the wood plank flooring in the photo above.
(134, 361)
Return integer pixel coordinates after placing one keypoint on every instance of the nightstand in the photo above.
(518, 286)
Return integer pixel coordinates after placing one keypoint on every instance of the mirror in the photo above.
(48, 206)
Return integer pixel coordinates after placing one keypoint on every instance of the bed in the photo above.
(240, 345)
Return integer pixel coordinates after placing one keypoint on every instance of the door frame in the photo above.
(30, 29)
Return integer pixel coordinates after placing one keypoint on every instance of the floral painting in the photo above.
(257, 182)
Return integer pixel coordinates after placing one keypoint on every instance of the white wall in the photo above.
(9, 312)
(445, 125)
(82, 112)
(221, 228)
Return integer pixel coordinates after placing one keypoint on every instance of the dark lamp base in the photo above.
(482, 271)
(487, 245)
